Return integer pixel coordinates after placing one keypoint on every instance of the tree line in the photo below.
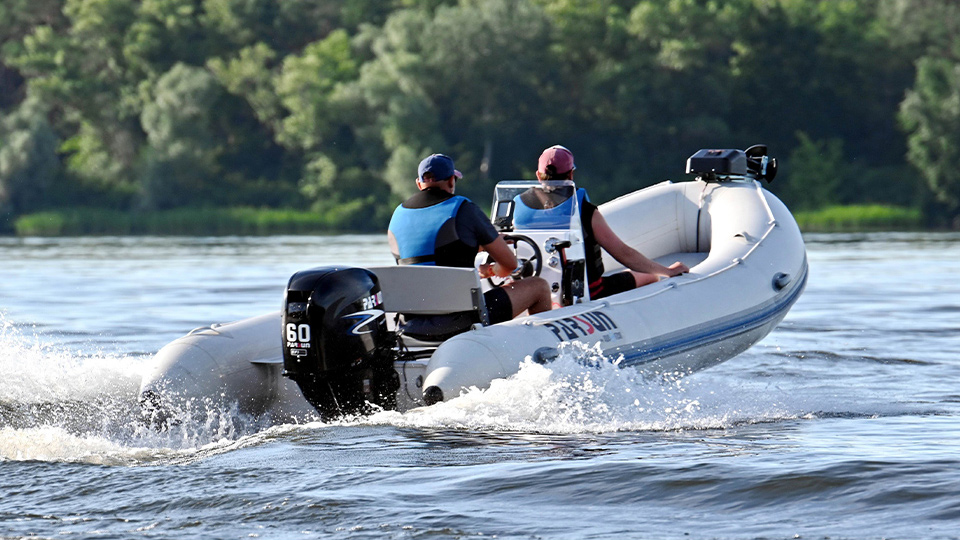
(328, 105)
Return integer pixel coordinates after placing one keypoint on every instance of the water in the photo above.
(843, 423)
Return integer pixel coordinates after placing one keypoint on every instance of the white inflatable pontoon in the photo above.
(747, 268)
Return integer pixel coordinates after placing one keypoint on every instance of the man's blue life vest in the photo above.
(426, 235)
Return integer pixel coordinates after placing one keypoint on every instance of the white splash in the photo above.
(37, 371)
(584, 392)
(60, 406)
(56, 405)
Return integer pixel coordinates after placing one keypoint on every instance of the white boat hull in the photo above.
(748, 267)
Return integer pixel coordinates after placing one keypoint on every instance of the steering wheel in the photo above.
(528, 254)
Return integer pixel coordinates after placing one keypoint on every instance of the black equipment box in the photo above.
(718, 162)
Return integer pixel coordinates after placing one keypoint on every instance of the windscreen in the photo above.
(531, 204)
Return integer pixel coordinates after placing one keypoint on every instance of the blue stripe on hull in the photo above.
(721, 332)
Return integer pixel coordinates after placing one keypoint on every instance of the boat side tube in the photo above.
(224, 365)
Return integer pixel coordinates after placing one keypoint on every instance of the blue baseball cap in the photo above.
(440, 165)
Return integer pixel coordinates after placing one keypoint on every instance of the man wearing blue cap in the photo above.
(436, 227)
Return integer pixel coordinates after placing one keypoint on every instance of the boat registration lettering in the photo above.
(592, 324)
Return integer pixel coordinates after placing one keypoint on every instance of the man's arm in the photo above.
(626, 255)
(472, 221)
(504, 260)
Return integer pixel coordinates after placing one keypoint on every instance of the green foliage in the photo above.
(17, 19)
(90, 161)
(325, 119)
(184, 152)
(80, 73)
(930, 26)
(287, 25)
(815, 170)
(207, 221)
(311, 88)
(931, 113)
(167, 32)
(29, 165)
(250, 76)
(859, 218)
(330, 105)
(460, 80)
(318, 178)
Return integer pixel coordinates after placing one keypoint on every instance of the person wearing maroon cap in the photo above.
(436, 227)
(556, 163)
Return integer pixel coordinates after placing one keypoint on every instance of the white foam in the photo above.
(49, 443)
(64, 407)
(56, 405)
(584, 392)
(55, 444)
(34, 370)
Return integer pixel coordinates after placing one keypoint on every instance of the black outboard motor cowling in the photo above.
(722, 165)
(336, 345)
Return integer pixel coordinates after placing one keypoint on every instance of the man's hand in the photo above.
(525, 270)
(485, 270)
(504, 260)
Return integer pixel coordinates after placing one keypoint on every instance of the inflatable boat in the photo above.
(340, 343)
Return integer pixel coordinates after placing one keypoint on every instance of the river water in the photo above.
(843, 423)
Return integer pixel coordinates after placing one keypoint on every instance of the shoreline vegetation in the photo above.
(321, 111)
(860, 218)
(247, 221)
(181, 221)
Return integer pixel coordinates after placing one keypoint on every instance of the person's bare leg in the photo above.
(530, 294)
(642, 278)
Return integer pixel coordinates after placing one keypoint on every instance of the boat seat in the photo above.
(442, 297)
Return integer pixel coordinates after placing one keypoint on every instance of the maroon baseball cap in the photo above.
(557, 157)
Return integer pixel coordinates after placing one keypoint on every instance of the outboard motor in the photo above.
(716, 165)
(336, 345)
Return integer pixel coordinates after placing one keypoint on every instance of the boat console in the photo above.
(541, 220)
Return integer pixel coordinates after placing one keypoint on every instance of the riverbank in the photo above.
(187, 222)
(254, 221)
(857, 218)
